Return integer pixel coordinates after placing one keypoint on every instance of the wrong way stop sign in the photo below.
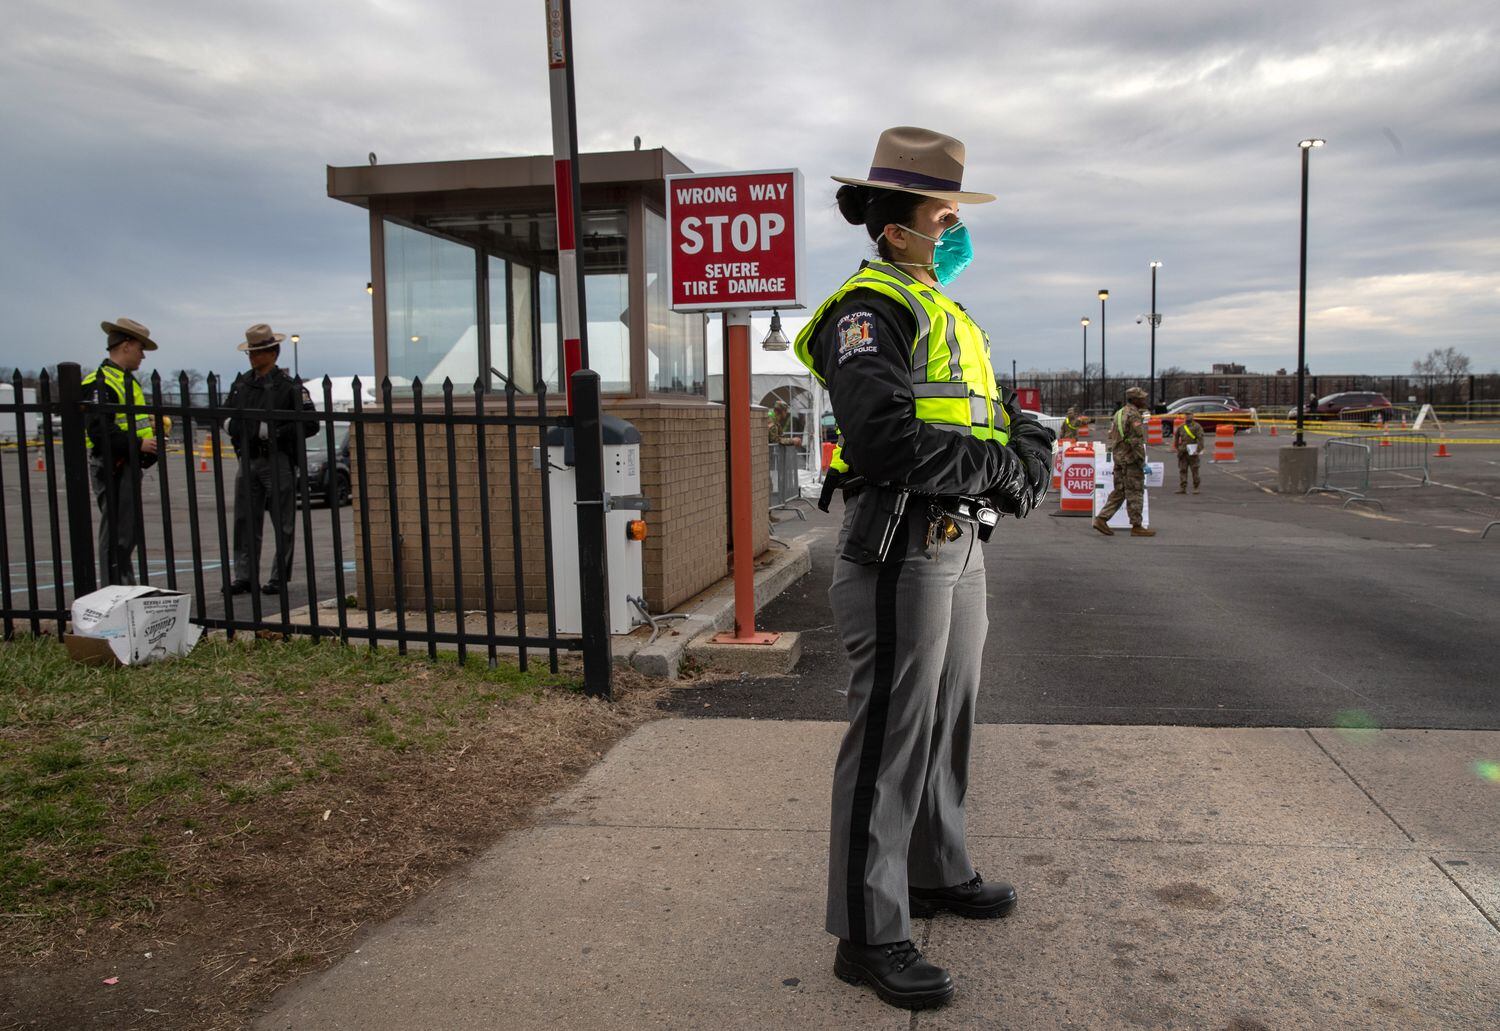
(735, 240)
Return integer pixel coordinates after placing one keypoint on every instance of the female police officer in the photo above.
(930, 446)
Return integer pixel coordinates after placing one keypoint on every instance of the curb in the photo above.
(713, 610)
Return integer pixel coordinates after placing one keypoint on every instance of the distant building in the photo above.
(1228, 369)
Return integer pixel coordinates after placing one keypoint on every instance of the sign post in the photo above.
(567, 192)
(735, 243)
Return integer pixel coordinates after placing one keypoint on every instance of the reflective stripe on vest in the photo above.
(1189, 431)
(114, 378)
(953, 382)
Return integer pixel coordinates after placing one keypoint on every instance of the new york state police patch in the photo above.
(855, 333)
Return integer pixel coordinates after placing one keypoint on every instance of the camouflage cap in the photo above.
(1135, 393)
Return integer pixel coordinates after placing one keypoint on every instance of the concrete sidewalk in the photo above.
(1169, 877)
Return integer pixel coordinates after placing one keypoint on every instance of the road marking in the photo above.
(1238, 476)
(1451, 486)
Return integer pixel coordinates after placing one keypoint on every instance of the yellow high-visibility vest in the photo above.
(115, 378)
(953, 382)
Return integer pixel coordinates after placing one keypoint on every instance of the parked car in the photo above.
(327, 479)
(1175, 405)
(1365, 404)
(1210, 415)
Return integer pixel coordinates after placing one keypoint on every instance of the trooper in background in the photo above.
(117, 480)
(1072, 423)
(267, 452)
(1188, 440)
(1127, 436)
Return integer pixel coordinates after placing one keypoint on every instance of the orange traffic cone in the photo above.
(203, 465)
(41, 466)
(1442, 451)
(1273, 429)
(1385, 442)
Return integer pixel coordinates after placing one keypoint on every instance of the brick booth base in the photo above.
(683, 473)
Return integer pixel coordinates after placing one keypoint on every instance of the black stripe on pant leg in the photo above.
(872, 747)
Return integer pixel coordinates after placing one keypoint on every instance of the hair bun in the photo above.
(854, 203)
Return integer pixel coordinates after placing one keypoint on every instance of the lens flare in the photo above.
(1487, 769)
(1355, 724)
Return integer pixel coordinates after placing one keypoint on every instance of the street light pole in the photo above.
(1103, 385)
(1307, 146)
(1155, 321)
(296, 367)
(1083, 370)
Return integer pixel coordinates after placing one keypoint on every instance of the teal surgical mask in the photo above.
(952, 253)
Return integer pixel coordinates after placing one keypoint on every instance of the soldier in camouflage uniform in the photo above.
(1128, 439)
(1188, 433)
(1072, 423)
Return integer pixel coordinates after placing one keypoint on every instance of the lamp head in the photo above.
(1084, 320)
(775, 339)
(1156, 264)
(1103, 295)
(1306, 144)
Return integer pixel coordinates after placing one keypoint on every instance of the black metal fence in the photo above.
(1274, 394)
(56, 482)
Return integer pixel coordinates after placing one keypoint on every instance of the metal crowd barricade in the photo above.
(786, 485)
(51, 431)
(1346, 468)
(1401, 452)
(1351, 463)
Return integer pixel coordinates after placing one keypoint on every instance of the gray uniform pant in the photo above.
(258, 488)
(914, 630)
(116, 491)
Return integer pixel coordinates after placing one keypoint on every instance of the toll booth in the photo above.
(463, 286)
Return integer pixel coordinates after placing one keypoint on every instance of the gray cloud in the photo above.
(166, 158)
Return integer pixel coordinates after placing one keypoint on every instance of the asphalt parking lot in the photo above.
(1248, 609)
(217, 555)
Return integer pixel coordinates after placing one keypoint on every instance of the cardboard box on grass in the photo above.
(131, 626)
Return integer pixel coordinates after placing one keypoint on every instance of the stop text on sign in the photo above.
(1078, 477)
(735, 240)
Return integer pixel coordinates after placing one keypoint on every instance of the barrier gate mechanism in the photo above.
(1350, 462)
(622, 502)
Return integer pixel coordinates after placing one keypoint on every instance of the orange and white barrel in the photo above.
(1224, 443)
(1057, 454)
(1153, 429)
(1076, 490)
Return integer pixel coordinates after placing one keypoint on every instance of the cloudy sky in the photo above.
(164, 159)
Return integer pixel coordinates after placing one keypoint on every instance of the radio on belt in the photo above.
(622, 541)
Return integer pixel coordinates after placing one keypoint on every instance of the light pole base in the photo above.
(1298, 471)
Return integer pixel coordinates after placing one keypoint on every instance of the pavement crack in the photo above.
(1472, 900)
(1345, 686)
(1355, 781)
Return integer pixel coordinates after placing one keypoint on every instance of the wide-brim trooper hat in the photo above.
(259, 337)
(919, 161)
(130, 327)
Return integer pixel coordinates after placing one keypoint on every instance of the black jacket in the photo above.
(251, 396)
(869, 384)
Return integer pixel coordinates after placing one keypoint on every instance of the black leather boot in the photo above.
(897, 972)
(974, 899)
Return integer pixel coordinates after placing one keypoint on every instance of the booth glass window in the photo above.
(551, 341)
(500, 320)
(607, 285)
(674, 341)
(432, 322)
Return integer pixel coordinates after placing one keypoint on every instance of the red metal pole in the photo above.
(566, 191)
(741, 520)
